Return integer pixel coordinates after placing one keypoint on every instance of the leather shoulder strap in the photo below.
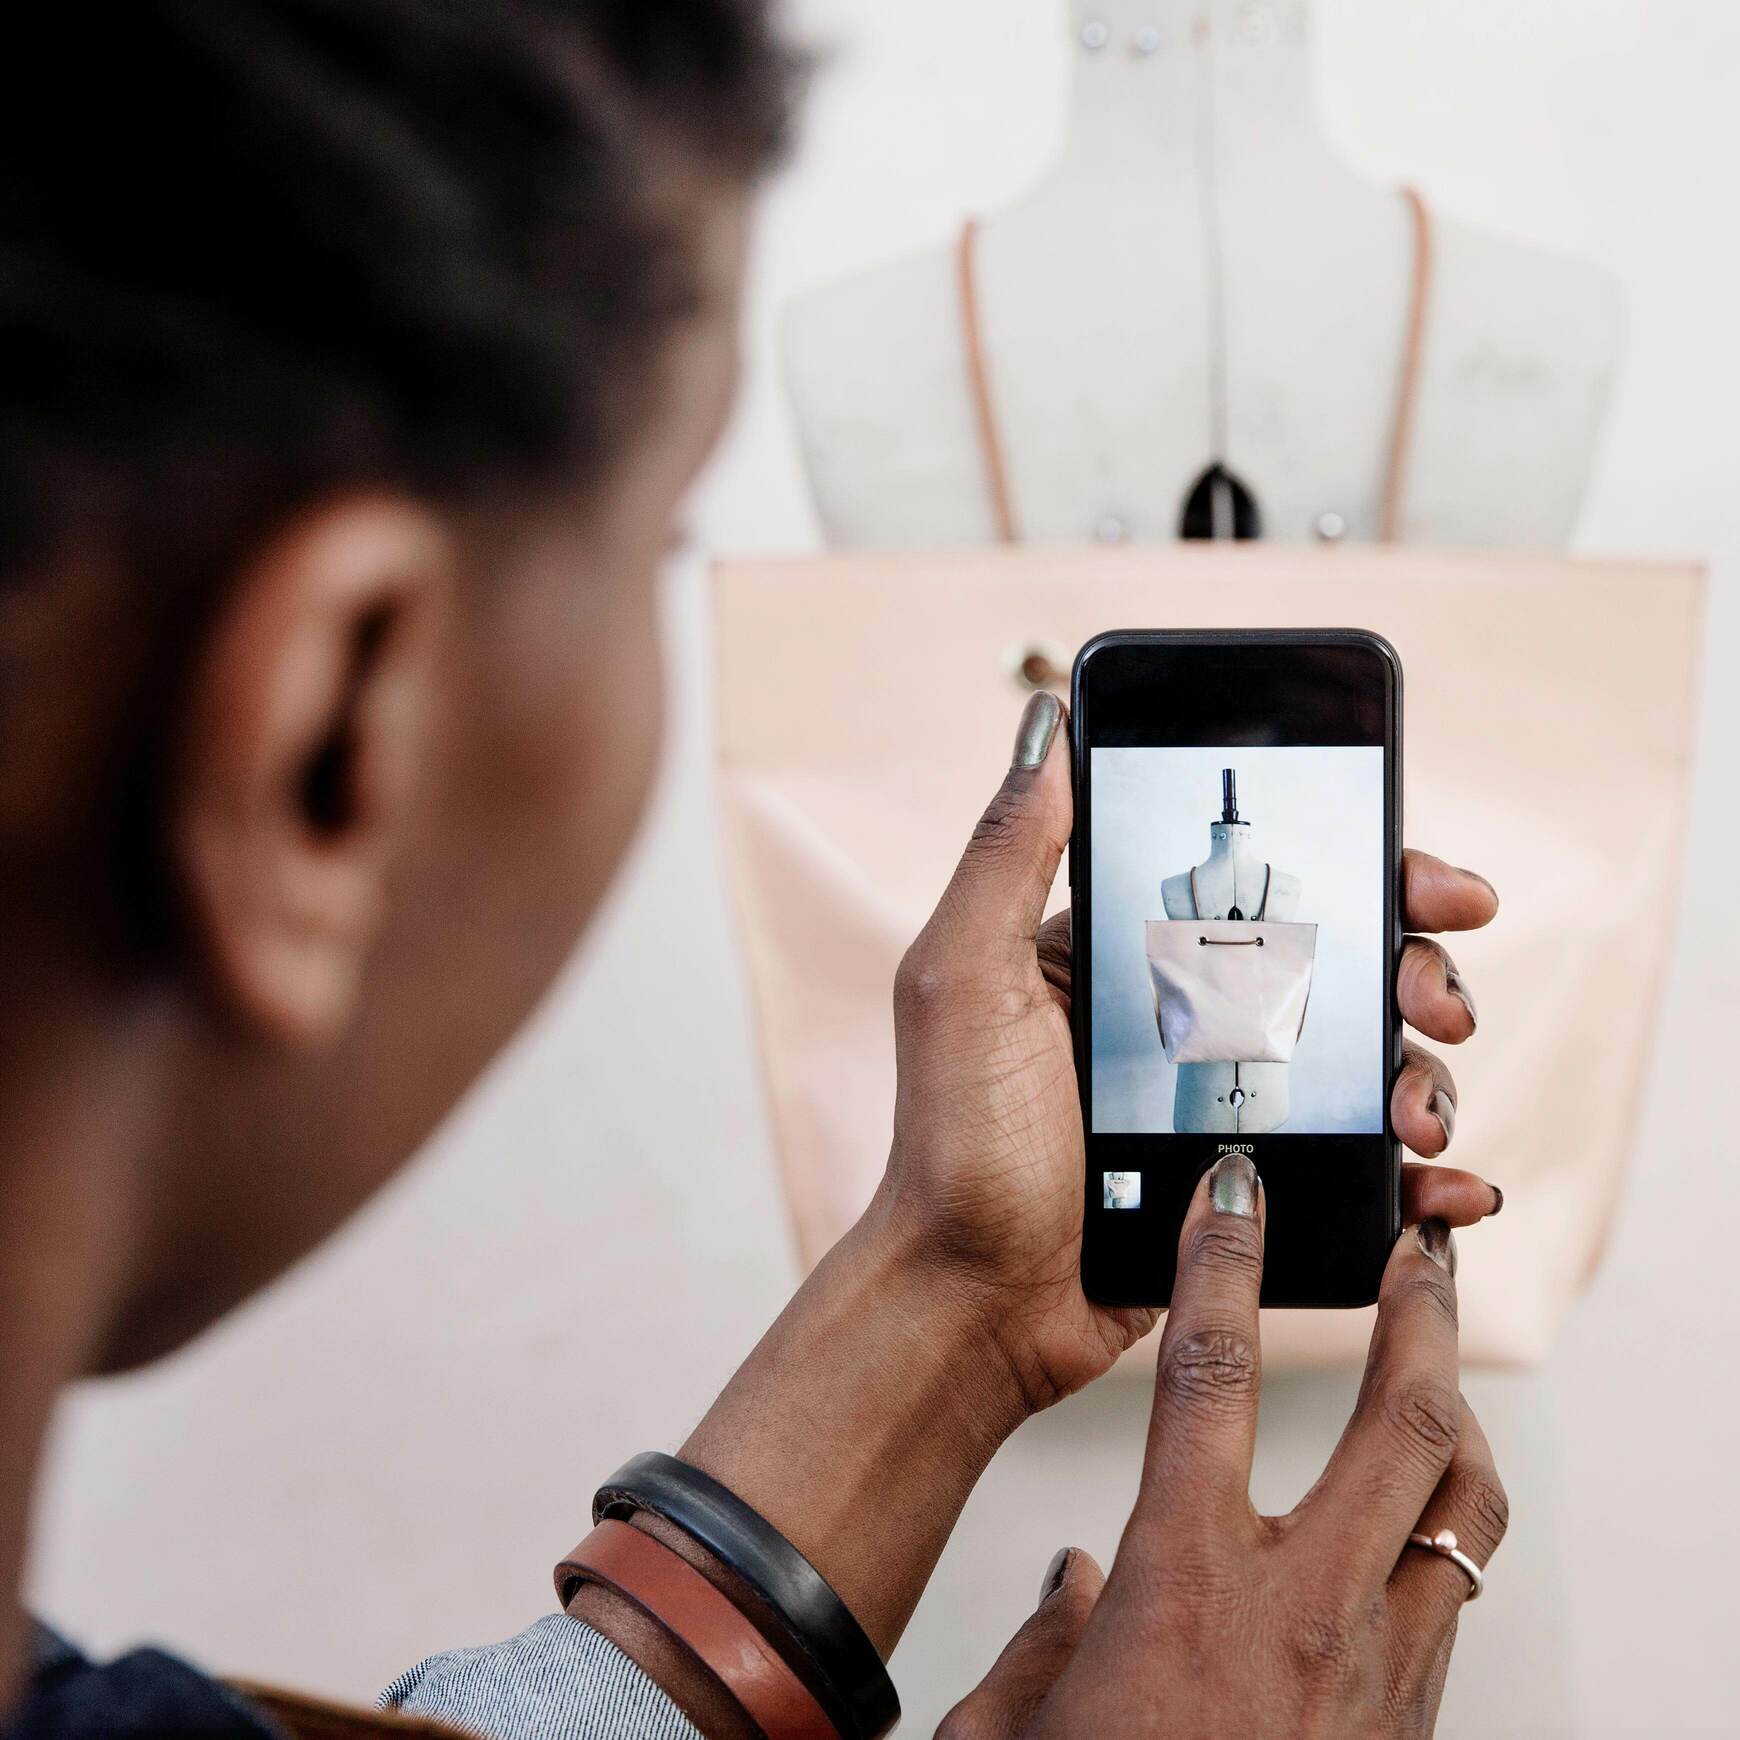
(1268, 883)
(979, 387)
(1195, 904)
(1393, 502)
(1408, 382)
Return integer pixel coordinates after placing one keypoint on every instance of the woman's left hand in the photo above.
(985, 1179)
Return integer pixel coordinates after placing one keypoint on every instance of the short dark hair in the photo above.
(255, 249)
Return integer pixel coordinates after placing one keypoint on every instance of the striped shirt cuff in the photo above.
(558, 1680)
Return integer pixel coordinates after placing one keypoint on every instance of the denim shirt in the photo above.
(558, 1677)
(143, 1695)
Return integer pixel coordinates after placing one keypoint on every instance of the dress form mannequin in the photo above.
(1246, 1098)
(1192, 141)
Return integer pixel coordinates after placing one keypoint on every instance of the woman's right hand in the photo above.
(1216, 1622)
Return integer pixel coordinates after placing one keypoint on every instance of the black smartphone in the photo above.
(1235, 881)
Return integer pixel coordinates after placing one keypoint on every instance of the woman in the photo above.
(357, 356)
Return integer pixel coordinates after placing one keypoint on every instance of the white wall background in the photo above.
(387, 1453)
(1315, 813)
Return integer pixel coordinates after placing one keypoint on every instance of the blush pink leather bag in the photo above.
(866, 708)
(1230, 990)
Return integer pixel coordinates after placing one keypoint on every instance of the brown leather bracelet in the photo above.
(672, 1593)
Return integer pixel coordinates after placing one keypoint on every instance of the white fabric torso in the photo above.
(1096, 318)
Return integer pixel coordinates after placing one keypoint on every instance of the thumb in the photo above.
(1022, 1678)
(996, 898)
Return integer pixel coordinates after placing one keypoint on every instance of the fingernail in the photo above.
(1435, 1240)
(1232, 1185)
(1039, 722)
(1497, 1201)
(1457, 989)
(1443, 1108)
(1055, 1573)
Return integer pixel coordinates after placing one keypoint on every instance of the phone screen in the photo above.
(1234, 878)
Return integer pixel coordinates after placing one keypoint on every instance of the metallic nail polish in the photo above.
(1232, 1185)
(1436, 1240)
(1453, 983)
(1443, 1108)
(1039, 721)
(1497, 1201)
(1055, 1573)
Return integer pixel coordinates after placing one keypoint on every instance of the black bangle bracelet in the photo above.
(852, 1684)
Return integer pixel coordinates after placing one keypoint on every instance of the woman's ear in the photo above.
(304, 733)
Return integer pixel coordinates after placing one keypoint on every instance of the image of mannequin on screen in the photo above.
(1202, 321)
(1238, 992)
(1235, 885)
